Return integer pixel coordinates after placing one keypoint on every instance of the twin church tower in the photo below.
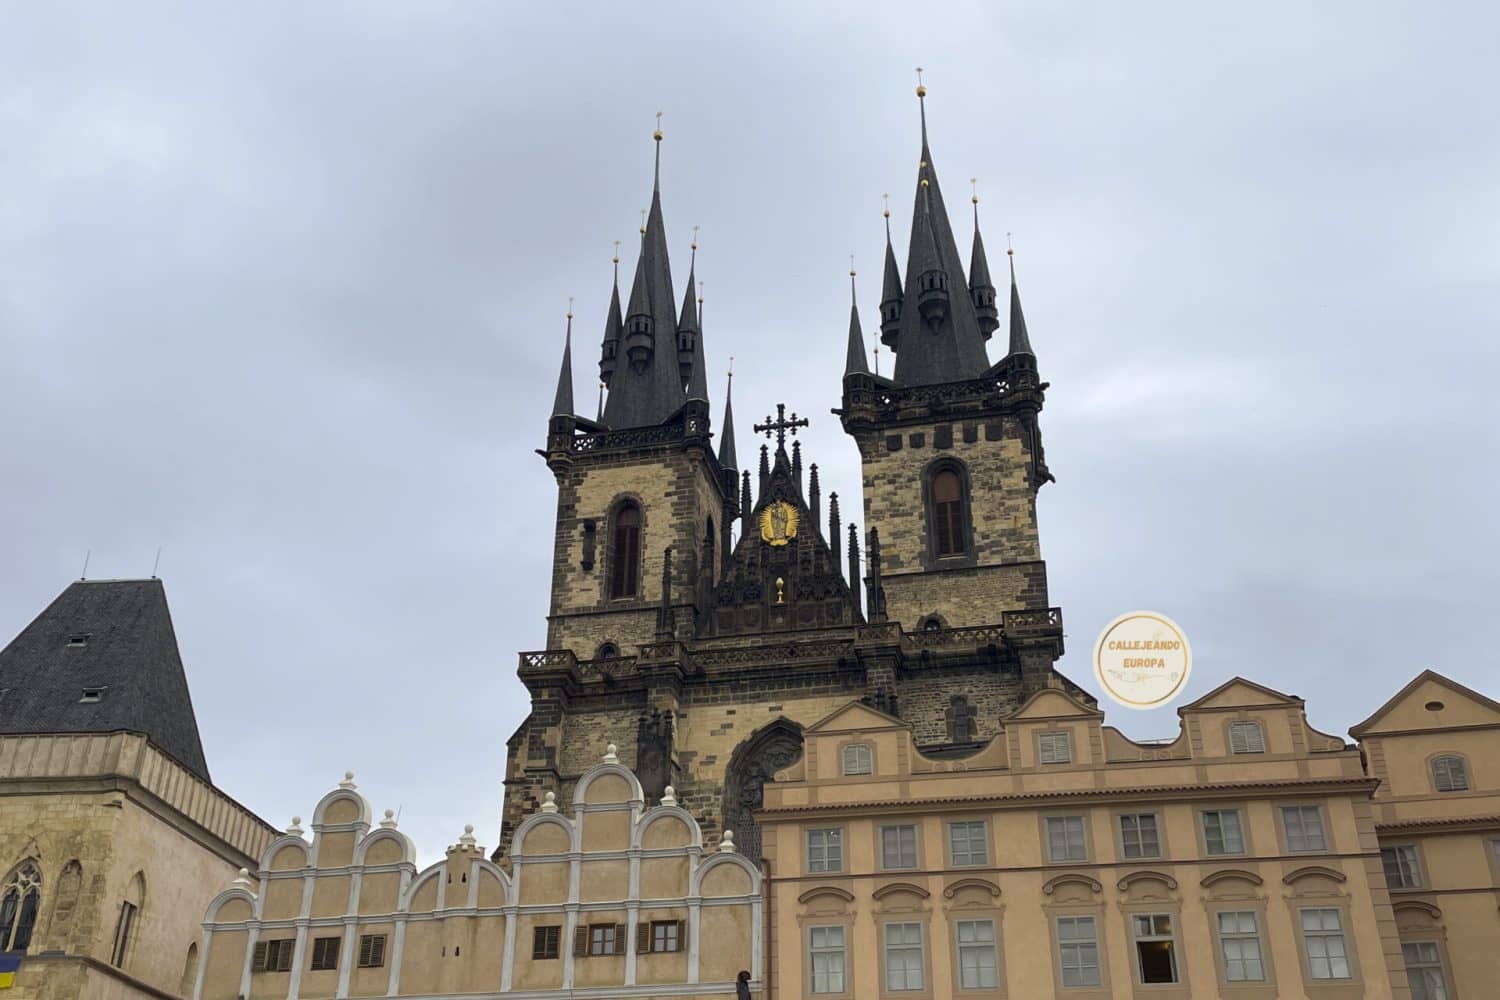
(701, 658)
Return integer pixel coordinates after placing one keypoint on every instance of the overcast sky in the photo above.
(282, 291)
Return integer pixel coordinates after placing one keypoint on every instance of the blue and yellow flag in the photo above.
(10, 961)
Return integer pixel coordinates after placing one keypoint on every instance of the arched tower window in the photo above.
(130, 909)
(20, 898)
(948, 534)
(960, 720)
(625, 552)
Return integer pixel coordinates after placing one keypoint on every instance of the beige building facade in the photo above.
(603, 898)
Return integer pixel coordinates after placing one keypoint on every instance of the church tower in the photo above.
(949, 443)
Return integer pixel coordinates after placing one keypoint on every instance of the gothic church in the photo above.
(704, 660)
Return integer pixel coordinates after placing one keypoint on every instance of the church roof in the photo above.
(113, 637)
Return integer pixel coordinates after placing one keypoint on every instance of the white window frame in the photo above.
(1326, 948)
(1153, 934)
(827, 856)
(1068, 826)
(1303, 827)
(1054, 747)
(1407, 865)
(975, 836)
(1224, 841)
(1425, 959)
(857, 759)
(900, 830)
(913, 978)
(1127, 819)
(978, 956)
(833, 976)
(1078, 946)
(1247, 736)
(1242, 940)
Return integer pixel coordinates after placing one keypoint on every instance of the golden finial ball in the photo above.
(656, 135)
(1009, 252)
(921, 91)
(924, 182)
(974, 199)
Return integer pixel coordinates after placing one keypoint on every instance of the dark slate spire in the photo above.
(727, 457)
(647, 388)
(698, 381)
(110, 636)
(562, 402)
(614, 329)
(855, 364)
(981, 288)
(940, 341)
(1020, 343)
(687, 322)
(891, 296)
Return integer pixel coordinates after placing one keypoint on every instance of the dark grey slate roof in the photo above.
(562, 401)
(727, 456)
(854, 362)
(1020, 343)
(123, 643)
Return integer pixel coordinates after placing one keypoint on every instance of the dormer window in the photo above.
(1246, 737)
(79, 639)
(91, 696)
(1450, 773)
(858, 759)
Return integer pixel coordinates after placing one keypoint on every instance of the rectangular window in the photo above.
(91, 695)
(898, 847)
(1065, 840)
(325, 954)
(825, 850)
(1138, 835)
(1323, 937)
(1239, 941)
(604, 939)
(825, 946)
(122, 935)
(1424, 971)
(1221, 831)
(372, 950)
(903, 957)
(1304, 828)
(978, 967)
(1246, 737)
(666, 935)
(1078, 951)
(273, 956)
(968, 844)
(858, 759)
(1401, 868)
(546, 941)
(1054, 748)
(1450, 775)
(1155, 947)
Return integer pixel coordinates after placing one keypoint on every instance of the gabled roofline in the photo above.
(1429, 674)
(895, 722)
(1280, 696)
(1083, 709)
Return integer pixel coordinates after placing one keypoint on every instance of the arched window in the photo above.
(960, 719)
(948, 513)
(130, 909)
(189, 971)
(625, 553)
(606, 651)
(19, 899)
(1449, 774)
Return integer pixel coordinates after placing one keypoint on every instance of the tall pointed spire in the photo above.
(687, 321)
(1020, 343)
(855, 364)
(943, 334)
(891, 295)
(614, 329)
(562, 402)
(648, 389)
(981, 288)
(727, 456)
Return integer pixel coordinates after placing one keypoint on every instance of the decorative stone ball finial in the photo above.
(669, 796)
(610, 756)
(389, 822)
(726, 845)
(348, 781)
(296, 828)
(549, 802)
(467, 839)
(242, 879)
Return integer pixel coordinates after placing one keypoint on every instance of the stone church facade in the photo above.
(705, 659)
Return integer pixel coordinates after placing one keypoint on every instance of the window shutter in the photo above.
(682, 935)
(377, 951)
(643, 937)
(620, 939)
(258, 963)
(284, 956)
(580, 940)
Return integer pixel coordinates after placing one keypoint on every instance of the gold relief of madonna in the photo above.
(778, 523)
